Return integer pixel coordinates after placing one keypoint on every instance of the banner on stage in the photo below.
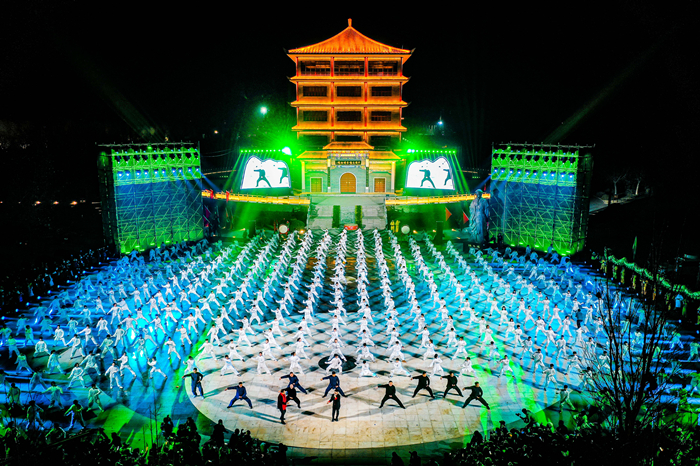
(430, 174)
(268, 173)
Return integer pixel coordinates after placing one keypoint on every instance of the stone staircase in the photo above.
(320, 217)
(373, 210)
(374, 216)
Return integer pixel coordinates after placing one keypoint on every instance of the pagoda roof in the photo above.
(348, 145)
(349, 41)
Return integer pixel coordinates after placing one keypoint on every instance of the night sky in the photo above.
(624, 78)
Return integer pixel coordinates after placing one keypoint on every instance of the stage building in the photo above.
(349, 104)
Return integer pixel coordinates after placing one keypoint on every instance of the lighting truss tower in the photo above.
(540, 195)
(151, 194)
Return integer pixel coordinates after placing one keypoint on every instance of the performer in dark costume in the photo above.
(335, 399)
(390, 394)
(451, 384)
(282, 404)
(240, 395)
(423, 384)
(196, 377)
(476, 394)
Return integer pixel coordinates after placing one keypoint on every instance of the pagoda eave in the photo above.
(348, 104)
(368, 79)
(327, 129)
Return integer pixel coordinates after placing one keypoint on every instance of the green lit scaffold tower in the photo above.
(151, 195)
(540, 195)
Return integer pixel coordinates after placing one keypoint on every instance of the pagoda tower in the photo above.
(349, 109)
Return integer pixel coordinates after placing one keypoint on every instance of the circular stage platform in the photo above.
(363, 425)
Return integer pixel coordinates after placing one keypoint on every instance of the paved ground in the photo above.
(365, 433)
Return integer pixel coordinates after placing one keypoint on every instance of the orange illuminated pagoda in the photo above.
(349, 104)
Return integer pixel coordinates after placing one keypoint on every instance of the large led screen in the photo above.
(426, 174)
(266, 173)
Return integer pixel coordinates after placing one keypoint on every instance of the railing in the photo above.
(290, 200)
(434, 199)
(303, 198)
(343, 194)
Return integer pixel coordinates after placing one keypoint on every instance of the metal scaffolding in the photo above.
(151, 195)
(540, 197)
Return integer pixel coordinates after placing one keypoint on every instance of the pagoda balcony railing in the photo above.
(353, 74)
(383, 73)
(342, 74)
(326, 72)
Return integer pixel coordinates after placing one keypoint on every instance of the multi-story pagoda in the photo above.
(349, 103)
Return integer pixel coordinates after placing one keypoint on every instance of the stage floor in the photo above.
(365, 433)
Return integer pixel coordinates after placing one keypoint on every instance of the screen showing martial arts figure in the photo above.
(266, 173)
(428, 174)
